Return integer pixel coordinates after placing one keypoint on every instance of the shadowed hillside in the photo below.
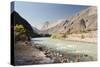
(17, 19)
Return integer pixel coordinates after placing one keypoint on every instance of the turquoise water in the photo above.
(69, 46)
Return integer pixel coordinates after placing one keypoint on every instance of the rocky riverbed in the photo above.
(61, 57)
(30, 53)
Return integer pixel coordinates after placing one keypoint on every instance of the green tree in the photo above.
(19, 28)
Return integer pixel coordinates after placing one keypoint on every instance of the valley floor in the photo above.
(93, 40)
(84, 37)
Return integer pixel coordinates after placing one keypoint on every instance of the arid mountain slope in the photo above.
(83, 21)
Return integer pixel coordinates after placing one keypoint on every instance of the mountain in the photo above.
(51, 27)
(36, 30)
(17, 19)
(83, 21)
(51, 24)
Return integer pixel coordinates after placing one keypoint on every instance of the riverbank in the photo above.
(89, 40)
(27, 53)
(62, 57)
(90, 37)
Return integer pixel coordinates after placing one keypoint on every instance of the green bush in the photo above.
(19, 28)
(58, 36)
(82, 36)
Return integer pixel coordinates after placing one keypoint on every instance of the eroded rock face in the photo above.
(86, 19)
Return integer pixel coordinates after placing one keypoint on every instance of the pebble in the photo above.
(61, 58)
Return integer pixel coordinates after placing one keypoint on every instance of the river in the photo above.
(66, 46)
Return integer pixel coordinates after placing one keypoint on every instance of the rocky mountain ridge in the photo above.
(83, 21)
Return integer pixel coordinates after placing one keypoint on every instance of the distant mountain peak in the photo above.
(83, 20)
(48, 25)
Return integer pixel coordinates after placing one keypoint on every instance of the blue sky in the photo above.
(38, 13)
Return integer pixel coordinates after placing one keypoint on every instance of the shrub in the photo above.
(19, 28)
(58, 36)
(82, 36)
(20, 33)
